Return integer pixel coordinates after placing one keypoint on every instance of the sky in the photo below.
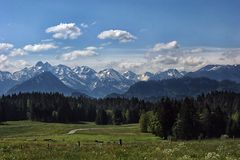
(136, 35)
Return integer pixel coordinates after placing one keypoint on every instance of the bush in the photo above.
(224, 136)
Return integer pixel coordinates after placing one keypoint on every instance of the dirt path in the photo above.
(82, 129)
(88, 129)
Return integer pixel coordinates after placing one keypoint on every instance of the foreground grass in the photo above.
(49, 141)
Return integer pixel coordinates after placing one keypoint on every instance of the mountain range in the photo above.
(44, 82)
(99, 84)
(80, 78)
(178, 88)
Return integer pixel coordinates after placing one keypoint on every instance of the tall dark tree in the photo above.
(102, 118)
(187, 124)
(143, 122)
(118, 117)
(2, 113)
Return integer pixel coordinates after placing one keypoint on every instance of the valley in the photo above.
(25, 140)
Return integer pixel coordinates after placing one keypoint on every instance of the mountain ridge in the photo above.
(44, 82)
(107, 81)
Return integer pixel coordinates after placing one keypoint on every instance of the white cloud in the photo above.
(21, 63)
(84, 25)
(120, 35)
(193, 61)
(94, 23)
(93, 48)
(163, 46)
(5, 46)
(165, 59)
(11, 65)
(4, 62)
(17, 52)
(3, 58)
(47, 40)
(87, 52)
(65, 31)
(106, 44)
(67, 47)
(39, 47)
(184, 58)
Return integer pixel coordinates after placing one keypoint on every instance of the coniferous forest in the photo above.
(206, 116)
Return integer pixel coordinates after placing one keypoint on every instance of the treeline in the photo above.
(207, 116)
(54, 107)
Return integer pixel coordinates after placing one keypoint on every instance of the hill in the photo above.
(179, 88)
(44, 82)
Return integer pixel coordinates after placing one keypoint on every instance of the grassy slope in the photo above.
(27, 140)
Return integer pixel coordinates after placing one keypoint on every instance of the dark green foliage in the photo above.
(207, 116)
(55, 107)
(118, 117)
(144, 122)
(2, 113)
(102, 118)
(187, 124)
(210, 115)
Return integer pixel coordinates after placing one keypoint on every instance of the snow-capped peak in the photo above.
(84, 70)
(5, 76)
(146, 76)
(39, 64)
(130, 75)
(110, 74)
(211, 68)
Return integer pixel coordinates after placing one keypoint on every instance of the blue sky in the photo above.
(133, 28)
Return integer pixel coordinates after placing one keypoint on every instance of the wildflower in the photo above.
(185, 157)
(212, 156)
(168, 152)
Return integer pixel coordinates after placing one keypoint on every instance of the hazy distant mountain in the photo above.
(218, 72)
(169, 74)
(44, 82)
(178, 88)
(131, 76)
(110, 81)
(146, 76)
(99, 84)
(6, 81)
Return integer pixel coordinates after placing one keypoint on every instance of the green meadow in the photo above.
(26, 140)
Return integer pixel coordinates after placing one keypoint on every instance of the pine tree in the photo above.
(2, 112)
(118, 117)
(187, 124)
(143, 122)
(101, 118)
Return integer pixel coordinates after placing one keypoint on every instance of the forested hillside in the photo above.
(210, 115)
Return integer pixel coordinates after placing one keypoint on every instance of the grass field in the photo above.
(53, 141)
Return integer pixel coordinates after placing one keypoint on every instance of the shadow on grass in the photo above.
(4, 123)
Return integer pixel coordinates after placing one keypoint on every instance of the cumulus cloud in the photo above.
(4, 62)
(166, 59)
(39, 47)
(120, 35)
(5, 46)
(125, 65)
(193, 61)
(84, 25)
(3, 58)
(65, 31)
(87, 52)
(163, 46)
(93, 48)
(21, 63)
(17, 52)
(67, 47)
(11, 65)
